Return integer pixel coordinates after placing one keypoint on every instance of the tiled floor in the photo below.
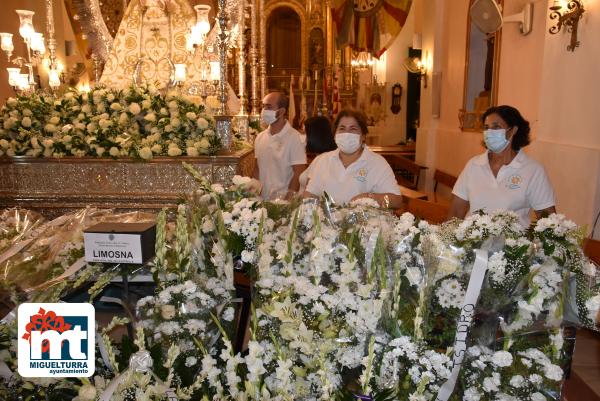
(584, 382)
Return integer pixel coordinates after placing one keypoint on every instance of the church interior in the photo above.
(423, 72)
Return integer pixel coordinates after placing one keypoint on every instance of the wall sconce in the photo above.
(419, 66)
(569, 18)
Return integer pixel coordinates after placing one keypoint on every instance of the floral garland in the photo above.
(138, 122)
(350, 302)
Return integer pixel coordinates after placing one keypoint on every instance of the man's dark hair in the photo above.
(282, 100)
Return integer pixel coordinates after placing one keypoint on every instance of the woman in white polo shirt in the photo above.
(504, 177)
(353, 171)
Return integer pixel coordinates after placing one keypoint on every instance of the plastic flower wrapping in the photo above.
(348, 302)
(138, 122)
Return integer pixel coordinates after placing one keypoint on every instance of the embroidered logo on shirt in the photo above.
(361, 175)
(514, 182)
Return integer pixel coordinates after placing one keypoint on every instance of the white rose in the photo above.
(156, 148)
(174, 150)
(116, 107)
(146, 153)
(167, 312)
(175, 122)
(48, 143)
(191, 115)
(164, 112)
(101, 108)
(123, 119)
(4, 143)
(209, 132)
(87, 392)
(110, 97)
(67, 138)
(100, 151)
(86, 108)
(54, 120)
(26, 122)
(202, 123)
(104, 123)
(80, 126)
(92, 127)
(150, 117)
(173, 105)
(50, 127)
(168, 128)
(134, 108)
(146, 104)
(11, 101)
(203, 143)
(34, 143)
(192, 151)
(114, 151)
(218, 188)
(27, 112)
(8, 123)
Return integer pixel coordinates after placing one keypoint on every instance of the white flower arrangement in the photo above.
(136, 122)
(349, 301)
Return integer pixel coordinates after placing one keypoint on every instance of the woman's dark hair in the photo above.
(513, 118)
(358, 115)
(319, 138)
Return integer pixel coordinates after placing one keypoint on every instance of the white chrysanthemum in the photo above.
(502, 359)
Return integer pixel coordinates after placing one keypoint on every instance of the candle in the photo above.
(179, 76)
(215, 71)
(53, 78)
(316, 75)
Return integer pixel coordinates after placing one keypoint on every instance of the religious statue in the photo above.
(150, 40)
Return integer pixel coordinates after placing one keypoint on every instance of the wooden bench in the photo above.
(407, 172)
(434, 213)
(445, 180)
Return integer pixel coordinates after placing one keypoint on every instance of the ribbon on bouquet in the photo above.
(140, 362)
(464, 321)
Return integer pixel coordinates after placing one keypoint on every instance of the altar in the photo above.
(57, 186)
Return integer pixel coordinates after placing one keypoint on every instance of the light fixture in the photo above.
(419, 66)
(568, 17)
(362, 61)
(179, 75)
(35, 50)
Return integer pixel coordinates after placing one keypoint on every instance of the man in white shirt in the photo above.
(279, 151)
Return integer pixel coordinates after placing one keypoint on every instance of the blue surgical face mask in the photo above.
(495, 139)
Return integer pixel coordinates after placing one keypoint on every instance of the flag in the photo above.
(325, 92)
(315, 111)
(292, 106)
(303, 110)
(369, 26)
(335, 94)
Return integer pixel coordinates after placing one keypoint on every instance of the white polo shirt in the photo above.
(275, 155)
(520, 186)
(370, 173)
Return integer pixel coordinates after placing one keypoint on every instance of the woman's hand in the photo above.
(386, 201)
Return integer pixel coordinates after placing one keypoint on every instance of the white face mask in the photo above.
(495, 139)
(268, 116)
(348, 142)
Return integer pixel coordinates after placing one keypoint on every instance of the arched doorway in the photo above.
(284, 47)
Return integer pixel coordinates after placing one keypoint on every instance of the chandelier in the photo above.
(36, 49)
(362, 61)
